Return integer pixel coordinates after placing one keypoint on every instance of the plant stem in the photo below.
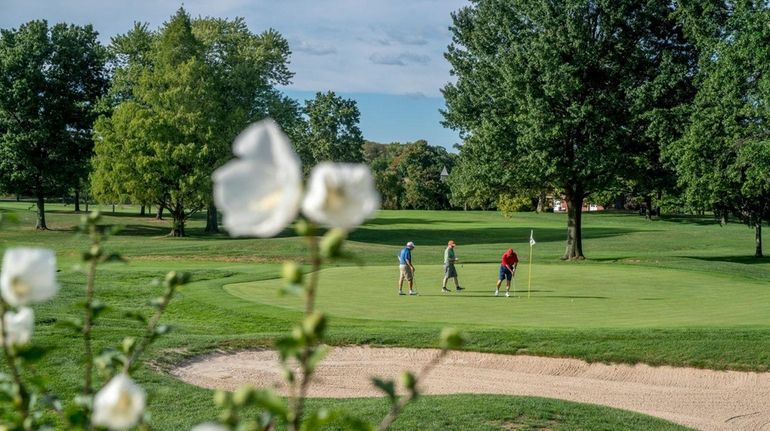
(88, 321)
(315, 260)
(151, 326)
(298, 403)
(396, 408)
(10, 358)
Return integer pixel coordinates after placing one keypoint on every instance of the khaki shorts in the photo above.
(406, 273)
(450, 270)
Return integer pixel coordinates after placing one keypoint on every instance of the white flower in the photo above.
(18, 326)
(29, 275)
(340, 195)
(259, 194)
(119, 404)
(209, 426)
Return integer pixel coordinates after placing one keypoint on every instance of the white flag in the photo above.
(531, 238)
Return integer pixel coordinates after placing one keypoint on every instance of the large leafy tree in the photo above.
(549, 91)
(420, 165)
(244, 68)
(333, 132)
(380, 158)
(179, 101)
(723, 159)
(50, 80)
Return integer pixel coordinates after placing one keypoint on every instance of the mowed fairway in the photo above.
(563, 296)
(681, 291)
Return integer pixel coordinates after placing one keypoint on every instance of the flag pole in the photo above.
(531, 243)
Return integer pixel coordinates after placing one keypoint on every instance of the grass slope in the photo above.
(678, 291)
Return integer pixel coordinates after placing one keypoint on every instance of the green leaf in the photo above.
(74, 323)
(162, 329)
(314, 325)
(31, 354)
(287, 347)
(136, 316)
(114, 257)
(316, 357)
(387, 386)
(128, 345)
(320, 418)
(409, 381)
(451, 339)
(331, 243)
(97, 308)
(271, 402)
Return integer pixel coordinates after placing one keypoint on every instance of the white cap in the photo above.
(410, 244)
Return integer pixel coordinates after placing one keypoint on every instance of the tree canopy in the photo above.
(181, 99)
(722, 161)
(552, 94)
(50, 81)
(333, 132)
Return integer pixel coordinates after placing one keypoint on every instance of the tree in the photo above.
(380, 158)
(549, 89)
(469, 184)
(333, 128)
(161, 134)
(179, 102)
(244, 68)
(420, 164)
(723, 159)
(50, 80)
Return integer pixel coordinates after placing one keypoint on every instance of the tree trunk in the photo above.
(77, 201)
(141, 210)
(758, 239)
(574, 249)
(86, 199)
(212, 224)
(113, 208)
(40, 211)
(159, 216)
(648, 206)
(540, 203)
(177, 223)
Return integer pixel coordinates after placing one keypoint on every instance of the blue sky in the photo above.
(385, 54)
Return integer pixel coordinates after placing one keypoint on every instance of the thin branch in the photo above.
(10, 358)
(396, 409)
(87, 323)
(298, 403)
(152, 325)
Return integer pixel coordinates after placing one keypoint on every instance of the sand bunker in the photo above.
(702, 399)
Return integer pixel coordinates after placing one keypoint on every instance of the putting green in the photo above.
(562, 296)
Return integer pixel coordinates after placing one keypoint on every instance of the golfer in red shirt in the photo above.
(508, 265)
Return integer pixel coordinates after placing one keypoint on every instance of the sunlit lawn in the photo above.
(680, 291)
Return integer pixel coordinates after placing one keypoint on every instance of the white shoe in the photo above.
(506, 294)
(497, 292)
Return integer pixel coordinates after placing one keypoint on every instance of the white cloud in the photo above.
(400, 59)
(311, 48)
(337, 44)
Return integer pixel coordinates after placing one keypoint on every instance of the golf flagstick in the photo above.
(529, 276)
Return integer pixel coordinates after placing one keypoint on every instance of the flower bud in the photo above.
(451, 339)
(292, 273)
(331, 243)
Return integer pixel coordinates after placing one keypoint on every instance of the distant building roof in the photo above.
(444, 173)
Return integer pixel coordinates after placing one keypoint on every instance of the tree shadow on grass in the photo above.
(745, 260)
(690, 219)
(387, 221)
(496, 235)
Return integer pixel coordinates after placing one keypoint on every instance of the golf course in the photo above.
(681, 291)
